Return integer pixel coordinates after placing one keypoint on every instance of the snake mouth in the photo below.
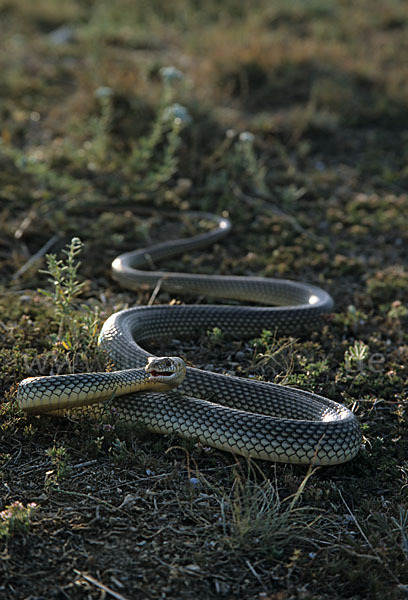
(166, 370)
(155, 373)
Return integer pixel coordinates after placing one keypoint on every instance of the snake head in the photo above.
(166, 372)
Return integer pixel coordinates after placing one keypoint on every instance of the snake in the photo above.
(244, 416)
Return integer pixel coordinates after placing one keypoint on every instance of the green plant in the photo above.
(397, 311)
(77, 329)
(63, 276)
(250, 164)
(154, 157)
(254, 518)
(215, 336)
(275, 354)
(352, 319)
(401, 526)
(58, 456)
(16, 518)
(355, 355)
(99, 126)
(44, 174)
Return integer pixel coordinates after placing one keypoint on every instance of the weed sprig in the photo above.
(77, 327)
(16, 518)
(64, 278)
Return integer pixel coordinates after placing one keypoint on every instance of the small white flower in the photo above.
(103, 92)
(246, 137)
(170, 74)
(177, 112)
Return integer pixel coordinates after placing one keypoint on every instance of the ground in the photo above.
(292, 119)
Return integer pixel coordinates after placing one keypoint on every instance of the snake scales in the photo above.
(247, 417)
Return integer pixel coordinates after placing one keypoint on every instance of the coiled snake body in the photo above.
(247, 417)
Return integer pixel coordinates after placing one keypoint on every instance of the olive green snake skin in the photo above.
(248, 417)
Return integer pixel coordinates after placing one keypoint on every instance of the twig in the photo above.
(254, 573)
(26, 222)
(88, 463)
(36, 256)
(155, 292)
(89, 497)
(100, 585)
(311, 471)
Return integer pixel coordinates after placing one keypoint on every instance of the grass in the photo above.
(293, 119)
